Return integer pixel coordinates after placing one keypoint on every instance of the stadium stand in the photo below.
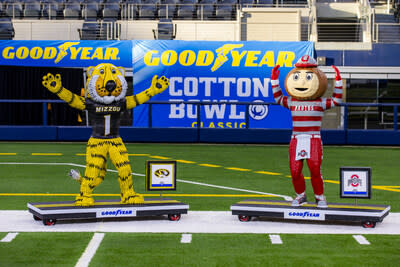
(6, 29)
(90, 30)
(186, 9)
(32, 10)
(72, 10)
(167, 9)
(206, 9)
(166, 30)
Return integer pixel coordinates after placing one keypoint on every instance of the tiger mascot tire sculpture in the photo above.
(105, 101)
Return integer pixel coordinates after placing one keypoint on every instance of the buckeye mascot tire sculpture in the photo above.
(305, 85)
(105, 101)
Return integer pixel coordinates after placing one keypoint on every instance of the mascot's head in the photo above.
(306, 81)
(106, 83)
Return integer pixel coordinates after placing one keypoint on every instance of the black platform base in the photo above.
(50, 212)
(367, 215)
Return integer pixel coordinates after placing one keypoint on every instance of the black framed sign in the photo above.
(160, 175)
(355, 182)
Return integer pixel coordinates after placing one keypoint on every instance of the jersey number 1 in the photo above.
(107, 119)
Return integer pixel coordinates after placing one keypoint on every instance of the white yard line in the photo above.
(9, 237)
(275, 239)
(186, 238)
(361, 240)
(287, 198)
(90, 250)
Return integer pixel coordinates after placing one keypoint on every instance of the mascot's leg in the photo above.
(314, 164)
(96, 154)
(296, 168)
(119, 157)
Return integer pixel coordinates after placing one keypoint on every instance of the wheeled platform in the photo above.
(367, 215)
(50, 212)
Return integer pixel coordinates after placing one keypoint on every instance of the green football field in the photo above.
(210, 178)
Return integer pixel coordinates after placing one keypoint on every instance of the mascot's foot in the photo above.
(135, 199)
(75, 175)
(84, 201)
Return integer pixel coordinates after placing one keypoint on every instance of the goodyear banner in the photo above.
(65, 53)
(215, 72)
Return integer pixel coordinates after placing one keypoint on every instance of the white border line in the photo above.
(90, 250)
(9, 237)
(275, 239)
(186, 238)
(361, 240)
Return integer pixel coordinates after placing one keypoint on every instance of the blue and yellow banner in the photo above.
(65, 53)
(220, 72)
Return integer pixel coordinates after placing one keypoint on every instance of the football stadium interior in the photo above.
(361, 37)
(225, 145)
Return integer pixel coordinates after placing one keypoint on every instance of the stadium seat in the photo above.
(167, 9)
(246, 3)
(90, 10)
(205, 9)
(33, 10)
(165, 30)
(111, 11)
(90, 30)
(6, 29)
(265, 3)
(186, 9)
(225, 9)
(53, 9)
(72, 10)
(14, 10)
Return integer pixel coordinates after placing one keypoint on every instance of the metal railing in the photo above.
(345, 112)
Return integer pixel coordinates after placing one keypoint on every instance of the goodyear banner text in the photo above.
(215, 72)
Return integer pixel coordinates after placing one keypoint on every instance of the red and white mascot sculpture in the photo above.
(305, 85)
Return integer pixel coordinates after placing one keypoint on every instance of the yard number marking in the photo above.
(9, 237)
(361, 240)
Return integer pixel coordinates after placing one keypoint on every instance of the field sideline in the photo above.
(210, 179)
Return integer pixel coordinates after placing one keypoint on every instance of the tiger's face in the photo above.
(106, 83)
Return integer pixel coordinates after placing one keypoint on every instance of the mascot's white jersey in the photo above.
(307, 114)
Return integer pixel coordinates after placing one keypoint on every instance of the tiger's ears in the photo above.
(122, 70)
(89, 71)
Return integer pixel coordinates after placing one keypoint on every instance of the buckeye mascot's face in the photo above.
(306, 81)
(106, 83)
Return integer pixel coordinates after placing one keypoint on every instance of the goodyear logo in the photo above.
(69, 50)
(115, 213)
(215, 59)
(161, 173)
(304, 215)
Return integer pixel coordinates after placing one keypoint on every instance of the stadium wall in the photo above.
(198, 135)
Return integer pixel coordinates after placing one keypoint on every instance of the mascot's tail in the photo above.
(75, 175)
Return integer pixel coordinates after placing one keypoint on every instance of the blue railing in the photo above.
(199, 104)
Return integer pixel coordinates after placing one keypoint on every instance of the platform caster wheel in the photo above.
(36, 218)
(369, 224)
(49, 222)
(174, 217)
(244, 218)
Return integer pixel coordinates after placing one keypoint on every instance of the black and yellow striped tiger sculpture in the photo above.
(106, 100)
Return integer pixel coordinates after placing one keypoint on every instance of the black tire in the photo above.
(369, 224)
(174, 217)
(244, 218)
(36, 218)
(49, 222)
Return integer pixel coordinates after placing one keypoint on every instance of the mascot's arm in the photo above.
(53, 84)
(158, 85)
(336, 98)
(276, 89)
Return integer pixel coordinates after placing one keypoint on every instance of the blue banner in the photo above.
(208, 71)
(65, 53)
